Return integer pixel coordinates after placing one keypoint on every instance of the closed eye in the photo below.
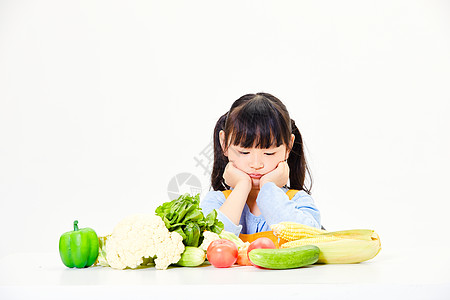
(272, 153)
(243, 152)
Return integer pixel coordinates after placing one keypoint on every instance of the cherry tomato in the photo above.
(222, 253)
(260, 243)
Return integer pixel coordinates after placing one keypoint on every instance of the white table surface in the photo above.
(420, 273)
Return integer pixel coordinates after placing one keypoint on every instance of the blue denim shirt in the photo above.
(274, 205)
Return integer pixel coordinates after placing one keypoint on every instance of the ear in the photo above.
(222, 142)
(291, 144)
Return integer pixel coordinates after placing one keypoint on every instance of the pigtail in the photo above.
(220, 160)
(297, 163)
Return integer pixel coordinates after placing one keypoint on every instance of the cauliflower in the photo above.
(209, 237)
(143, 236)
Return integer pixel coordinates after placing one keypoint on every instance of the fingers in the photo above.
(233, 164)
(283, 166)
(282, 163)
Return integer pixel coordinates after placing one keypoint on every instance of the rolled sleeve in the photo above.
(214, 200)
(276, 207)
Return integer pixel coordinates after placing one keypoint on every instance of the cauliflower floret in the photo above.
(143, 235)
(208, 238)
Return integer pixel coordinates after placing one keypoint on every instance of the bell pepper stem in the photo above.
(75, 225)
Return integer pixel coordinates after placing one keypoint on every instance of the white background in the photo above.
(103, 102)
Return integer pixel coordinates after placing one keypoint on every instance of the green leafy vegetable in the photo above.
(185, 216)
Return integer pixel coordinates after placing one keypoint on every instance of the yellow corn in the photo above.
(310, 241)
(360, 234)
(291, 231)
(338, 250)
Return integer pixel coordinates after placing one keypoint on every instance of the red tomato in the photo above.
(222, 253)
(260, 243)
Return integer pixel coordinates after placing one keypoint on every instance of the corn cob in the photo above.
(310, 241)
(360, 234)
(335, 249)
(291, 231)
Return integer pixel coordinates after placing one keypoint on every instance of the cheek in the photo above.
(272, 162)
(239, 162)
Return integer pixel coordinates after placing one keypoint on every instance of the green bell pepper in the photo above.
(78, 248)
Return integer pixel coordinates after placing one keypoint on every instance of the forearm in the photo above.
(234, 204)
(276, 207)
(213, 200)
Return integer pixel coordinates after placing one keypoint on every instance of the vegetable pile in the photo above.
(172, 235)
(178, 234)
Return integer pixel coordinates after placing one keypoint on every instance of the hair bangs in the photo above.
(258, 125)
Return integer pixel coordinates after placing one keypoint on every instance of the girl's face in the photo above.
(254, 161)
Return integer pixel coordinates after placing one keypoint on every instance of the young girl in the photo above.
(257, 150)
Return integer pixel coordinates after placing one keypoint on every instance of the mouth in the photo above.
(255, 176)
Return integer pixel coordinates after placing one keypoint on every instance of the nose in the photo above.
(256, 162)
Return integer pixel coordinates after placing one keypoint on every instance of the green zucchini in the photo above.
(192, 257)
(286, 258)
